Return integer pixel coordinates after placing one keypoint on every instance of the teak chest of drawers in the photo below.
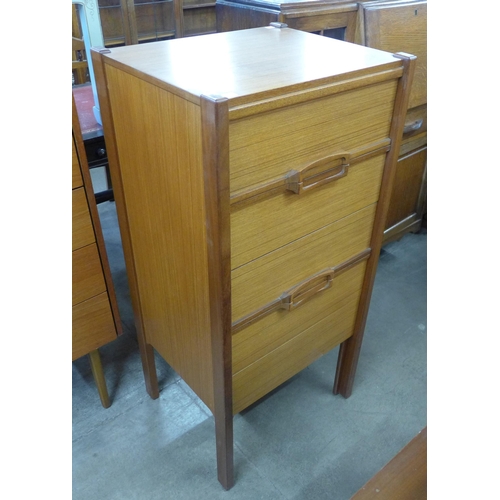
(251, 171)
(95, 313)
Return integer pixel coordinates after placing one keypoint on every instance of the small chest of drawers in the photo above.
(95, 310)
(251, 171)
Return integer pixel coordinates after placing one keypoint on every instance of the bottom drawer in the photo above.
(93, 325)
(276, 347)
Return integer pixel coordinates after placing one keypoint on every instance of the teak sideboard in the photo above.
(251, 172)
(95, 315)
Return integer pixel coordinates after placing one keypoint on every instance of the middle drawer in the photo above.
(261, 281)
(276, 218)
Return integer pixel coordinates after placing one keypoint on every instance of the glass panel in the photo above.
(337, 33)
(113, 31)
(155, 20)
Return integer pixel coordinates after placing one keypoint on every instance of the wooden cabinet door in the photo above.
(400, 26)
(408, 193)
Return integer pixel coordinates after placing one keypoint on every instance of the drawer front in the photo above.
(77, 175)
(83, 231)
(415, 122)
(93, 325)
(268, 145)
(262, 281)
(270, 351)
(262, 225)
(88, 278)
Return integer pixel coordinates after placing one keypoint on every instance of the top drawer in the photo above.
(266, 146)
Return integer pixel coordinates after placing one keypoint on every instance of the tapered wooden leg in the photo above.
(148, 367)
(224, 440)
(100, 381)
(346, 369)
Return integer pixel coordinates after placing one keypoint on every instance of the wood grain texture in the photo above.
(88, 279)
(163, 195)
(404, 477)
(267, 145)
(262, 337)
(324, 61)
(146, 350)
(262, 280)
(275, 221)
(294, 354)
(83, 230)
(277, 98)
(400, 27)
(93, 325)
(407, 187)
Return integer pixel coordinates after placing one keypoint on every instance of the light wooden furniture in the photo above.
(95, 311)
(251, 188)
(404, 477)
(401, 25)
(389, 25)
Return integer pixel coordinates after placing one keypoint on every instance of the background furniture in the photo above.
(127, 22)
(401, 25)
(390, 25)
(331, 18)
(404, 477)
(251, 193)
(95, 312)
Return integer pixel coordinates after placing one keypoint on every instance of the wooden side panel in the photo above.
(158, 137)
(401, 27)
(407, 186)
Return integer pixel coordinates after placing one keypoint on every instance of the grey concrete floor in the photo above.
(299, 442)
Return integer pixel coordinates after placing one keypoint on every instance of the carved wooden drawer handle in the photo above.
(302, 292)
(413, 127)
(318, 173)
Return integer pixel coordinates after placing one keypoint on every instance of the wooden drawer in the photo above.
(93, 325)
(262, 281)
(83, 231)
(88, 278)
(77, 175)
(261, 225)
(278, 346)
(415, 122)
(266, 146)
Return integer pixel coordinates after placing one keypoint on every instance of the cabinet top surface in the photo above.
(246, 62)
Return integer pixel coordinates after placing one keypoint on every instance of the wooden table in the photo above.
(404, 477)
